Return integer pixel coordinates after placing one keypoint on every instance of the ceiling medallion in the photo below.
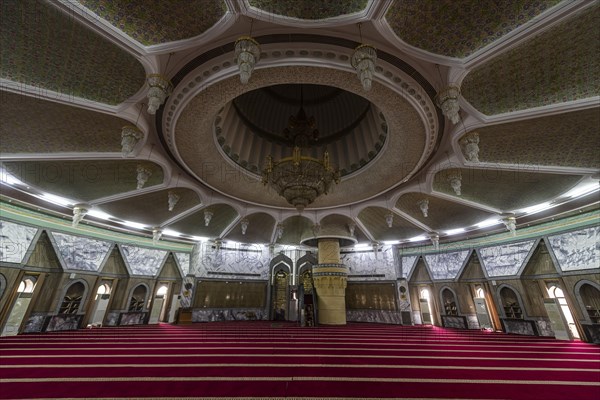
(300, 179)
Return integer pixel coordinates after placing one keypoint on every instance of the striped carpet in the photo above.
(280, 360)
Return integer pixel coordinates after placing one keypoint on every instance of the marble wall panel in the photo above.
(472, 321)
(35, 323)
(238, 314)
(377, 316)
(15, 239)
(451, 321)
(417, 317)
(132, 318)
(64, 323)
(368, 263)
(407, 264)
(183, 259)
(506, 259)
(143, 261)
(577, 250)
(444, 266)
(230, 263)
(79, 252)
(112, 318)
(544, 327)
(519, 327)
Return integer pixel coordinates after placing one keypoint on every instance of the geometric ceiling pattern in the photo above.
(81, 180)
(505, 190)
(55, 127)
(158, 21)
(62, 55)
(459, 28)
(442, 214)
(504, 143)
(309, 9)
(558, 65)
(72, 74)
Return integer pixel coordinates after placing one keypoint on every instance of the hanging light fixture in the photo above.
(160, 88)
(435, 240)
(363, 61)
(279, 230)
(156, 235)
(247, 54)
(143, 174)
(424, 206)
(207, 217)
(455, 180)
(300, 179)
(244, 223)
(510, 222)
(389, 219)
(173, 198)
(79, 211)
(470, 144)
(351, 228)
(130, 136)
(447, 100)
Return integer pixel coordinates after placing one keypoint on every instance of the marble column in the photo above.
(330, 279)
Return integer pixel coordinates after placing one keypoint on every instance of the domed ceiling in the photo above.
(523, 145)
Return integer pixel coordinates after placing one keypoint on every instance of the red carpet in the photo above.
(281, 360)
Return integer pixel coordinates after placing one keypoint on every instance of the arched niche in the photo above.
(2, 285)
(512, 305)
(449, 301)
(137, 298)
(588, 297)
(73, 298)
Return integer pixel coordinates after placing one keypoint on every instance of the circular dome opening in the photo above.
(271, 121)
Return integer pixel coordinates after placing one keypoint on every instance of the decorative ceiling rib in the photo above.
(441, 214)
(161, 21)
(152, 209)
(260, 228)
(557, 66)
(63, 56)
(194, 224)
(374, 219)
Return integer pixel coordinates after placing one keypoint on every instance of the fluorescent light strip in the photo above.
(455, 231)
(489, 222)
(418, 238)
(54, 199)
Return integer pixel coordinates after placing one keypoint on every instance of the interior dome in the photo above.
(257, 124)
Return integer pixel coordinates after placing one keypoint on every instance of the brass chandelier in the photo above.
(300, 179)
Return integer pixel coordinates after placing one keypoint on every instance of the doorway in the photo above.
(558, 295)
(100, 304)
(425, 303)
(482, 310)
(20, 306)
(158, 307)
